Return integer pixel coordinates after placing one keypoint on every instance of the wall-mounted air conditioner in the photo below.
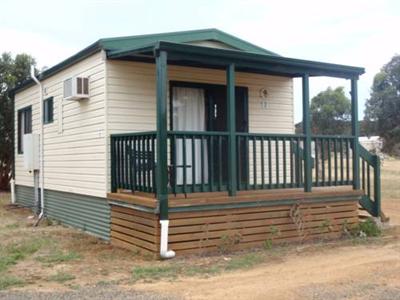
(76, 88)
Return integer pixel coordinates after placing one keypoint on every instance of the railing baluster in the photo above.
(277, 161)
(254, 163)
(262, 163)
(335, 161)
(323, 160)
(220, 170)
(239, 165)
(174, 167)
(248, 169)
(347, 161)
(341, 163)
(284, 161)
(202, 162)
(329, 162)
(316, 159)
(291, 163)
(269, 163)
(153, 161)
(120, 162)
(193, 164)
(184, 163)
(148, 163)
(212, 177)
(363, 174)
(368, 181)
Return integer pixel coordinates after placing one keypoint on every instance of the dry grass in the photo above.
(390, 179)
(56, 256)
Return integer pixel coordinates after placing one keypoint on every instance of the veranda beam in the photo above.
(355, 132)
(162, 162)
(230, 85)
(307, 134)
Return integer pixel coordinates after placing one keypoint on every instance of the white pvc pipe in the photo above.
(41, 162)
(12, 185)
(164, 252)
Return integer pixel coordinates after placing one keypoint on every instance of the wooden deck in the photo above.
(201, 224)
(215, 198)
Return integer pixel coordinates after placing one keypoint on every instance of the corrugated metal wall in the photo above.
(91, 214)
(24, 195)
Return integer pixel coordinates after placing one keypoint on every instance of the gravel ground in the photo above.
(98, 293)
(350, 291)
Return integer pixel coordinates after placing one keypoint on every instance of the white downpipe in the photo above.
(41, 162)
(12, 185)
(164, 252)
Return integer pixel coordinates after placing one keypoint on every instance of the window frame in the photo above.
(48, 114)
(23, 113)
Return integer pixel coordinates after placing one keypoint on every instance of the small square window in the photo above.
(48, 110)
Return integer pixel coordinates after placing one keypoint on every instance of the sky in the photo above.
(363, 33)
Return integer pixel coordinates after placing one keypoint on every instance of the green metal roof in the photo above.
(121, 43)
(129, 42)
(180, 42)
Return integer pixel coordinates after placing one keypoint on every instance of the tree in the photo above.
(382, 109)
(331, 112)
(13, 71)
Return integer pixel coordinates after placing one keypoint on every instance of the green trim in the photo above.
(49, 117)
(244, 61)
(307, 135)
(231, 126)
(268, 203)
(355, 132)
(162, 143)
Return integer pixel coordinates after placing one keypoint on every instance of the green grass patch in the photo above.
(11, 254)
(7, 281)
(155, 272)
(364, 229)
(58, 257)
(168, 271)
(61, 277)
(244, 262)
(12, 226)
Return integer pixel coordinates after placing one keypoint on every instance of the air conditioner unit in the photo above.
(76, 88)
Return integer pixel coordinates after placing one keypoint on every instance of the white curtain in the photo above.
(188, 115)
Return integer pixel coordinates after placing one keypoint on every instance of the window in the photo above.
(24, 126)
(48, 110)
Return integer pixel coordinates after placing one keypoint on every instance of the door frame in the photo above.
(205, 86)
(189, 84)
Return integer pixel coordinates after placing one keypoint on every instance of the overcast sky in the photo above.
(355, 32)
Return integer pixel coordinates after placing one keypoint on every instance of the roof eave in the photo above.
(81, 55)
(292, 66)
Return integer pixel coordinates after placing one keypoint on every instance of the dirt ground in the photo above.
(58, 262)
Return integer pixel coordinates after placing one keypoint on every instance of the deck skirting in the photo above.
(205, 228)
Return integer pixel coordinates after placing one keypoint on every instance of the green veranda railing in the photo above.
(198, 162)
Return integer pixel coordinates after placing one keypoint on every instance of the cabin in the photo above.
(184, 143)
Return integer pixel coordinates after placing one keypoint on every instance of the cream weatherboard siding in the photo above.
(75, 143)
(131, 100)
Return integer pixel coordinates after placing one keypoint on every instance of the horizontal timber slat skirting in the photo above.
(220, 230)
